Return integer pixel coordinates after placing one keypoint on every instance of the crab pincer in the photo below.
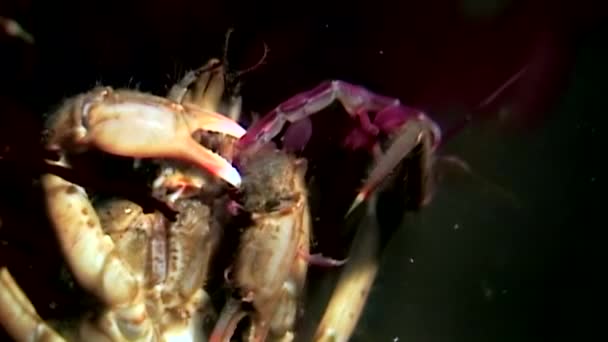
(132, 124)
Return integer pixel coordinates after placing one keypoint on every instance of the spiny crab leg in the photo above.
(132, 124)
(391, 117)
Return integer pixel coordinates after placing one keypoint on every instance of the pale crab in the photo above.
(150, 273)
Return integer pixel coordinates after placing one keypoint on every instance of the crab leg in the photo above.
(132, 124)
(390, 117)
(208, 86)
(93, 260)
(18, 315)
(352, 290)
(357, 101)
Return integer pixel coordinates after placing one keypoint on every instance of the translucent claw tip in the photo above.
(231, 128)
(215, 122)
(230, 175)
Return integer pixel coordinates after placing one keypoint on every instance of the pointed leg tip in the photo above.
(361, 197)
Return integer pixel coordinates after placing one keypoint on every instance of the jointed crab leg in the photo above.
(89, 252)
(133, 124)
(357, 101)
(391, 118)
(352, 290)
(413, 133)
(203, 87)
(391, 132)
(18, 315)
(93, 260)
(96, 266)
(350, 294)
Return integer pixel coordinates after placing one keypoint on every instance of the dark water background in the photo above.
(511, 253)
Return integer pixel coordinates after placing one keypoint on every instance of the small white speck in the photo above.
(128, 210)
(411, 260)
(456, 226)
(326, 25)
(381, 52)
(487, 290)
(52, 305)
(395, 339)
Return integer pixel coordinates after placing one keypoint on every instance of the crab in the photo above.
(149, 272)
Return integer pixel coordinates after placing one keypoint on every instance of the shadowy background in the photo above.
(505, 254)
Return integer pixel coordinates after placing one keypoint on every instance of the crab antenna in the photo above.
(249, 69)
(256, 65)
(226, 44)
(514, 78)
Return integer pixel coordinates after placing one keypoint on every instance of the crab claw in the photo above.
(132, 124)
